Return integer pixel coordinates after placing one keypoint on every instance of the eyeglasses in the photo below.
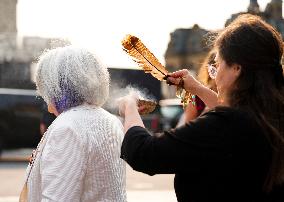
(212, 70)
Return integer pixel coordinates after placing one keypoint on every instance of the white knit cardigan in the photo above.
(79, 159)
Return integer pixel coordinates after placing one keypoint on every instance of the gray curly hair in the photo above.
(68, 76)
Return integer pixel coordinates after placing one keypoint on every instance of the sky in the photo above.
(101, 25)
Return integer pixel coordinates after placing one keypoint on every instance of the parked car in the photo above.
(170, 113)
(20, 115)
(152, 121)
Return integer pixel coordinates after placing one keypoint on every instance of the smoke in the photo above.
(117, 91)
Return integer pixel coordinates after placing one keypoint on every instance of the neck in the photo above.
(223, 100)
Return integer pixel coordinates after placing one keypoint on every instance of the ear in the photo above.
(237, 69)
(51, 109)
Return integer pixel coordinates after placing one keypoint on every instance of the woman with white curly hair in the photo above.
(78, 158)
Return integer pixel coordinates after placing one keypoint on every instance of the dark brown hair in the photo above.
(257, 47)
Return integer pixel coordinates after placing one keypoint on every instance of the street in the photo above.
(140, 187)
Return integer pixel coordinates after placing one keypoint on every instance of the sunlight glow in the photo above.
(100, 25)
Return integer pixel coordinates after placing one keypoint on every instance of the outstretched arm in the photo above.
(129, 109)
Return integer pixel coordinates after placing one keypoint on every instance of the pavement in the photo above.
(140, 187)
(132, 196)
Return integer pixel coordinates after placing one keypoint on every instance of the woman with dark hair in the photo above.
(235, 151)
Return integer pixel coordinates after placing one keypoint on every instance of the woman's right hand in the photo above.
(190, 83)
(127, 101)
(128, 108)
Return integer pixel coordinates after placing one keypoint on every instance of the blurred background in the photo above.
(178, 32)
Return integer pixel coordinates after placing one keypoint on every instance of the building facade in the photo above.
(18, 54)
(188, 47)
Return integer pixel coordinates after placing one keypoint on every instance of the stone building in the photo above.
(188, 47)
(17, 54)
(271, 14)
(8, 16)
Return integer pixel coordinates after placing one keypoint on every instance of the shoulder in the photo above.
(220, 121)
(217, 115)
(86, 114)
(109, 120)
(81, 121)
(223, 110)
(227, 114)
(237, 118)
(231, 122)
(61, 130)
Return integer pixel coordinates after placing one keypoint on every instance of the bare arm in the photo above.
(128, 108)
(208, 96)
(190, 113)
